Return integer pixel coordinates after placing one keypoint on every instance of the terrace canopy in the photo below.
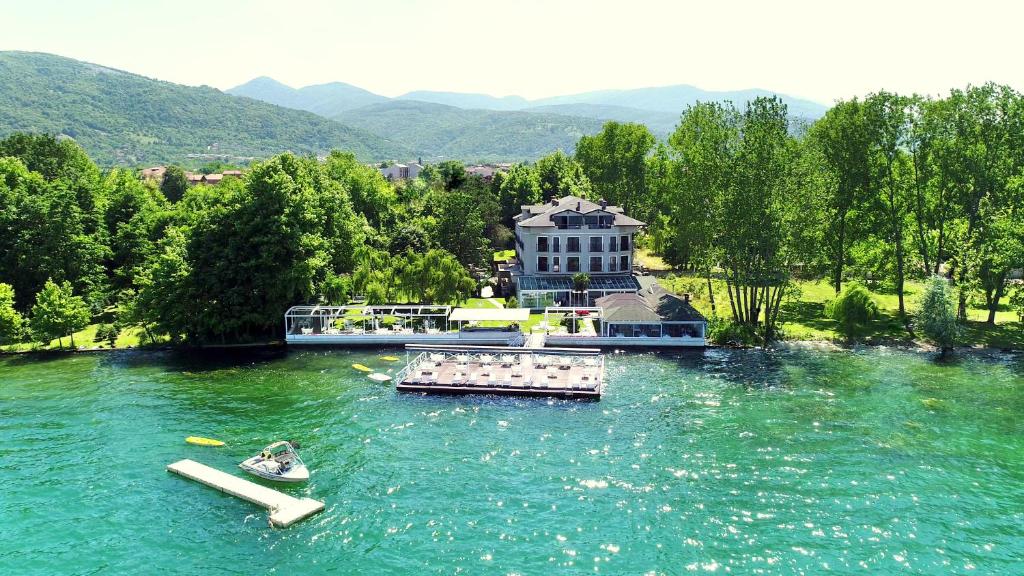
(490, 315)
(323, 319)
(543, 291)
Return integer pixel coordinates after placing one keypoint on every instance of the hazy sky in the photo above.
(817, 49)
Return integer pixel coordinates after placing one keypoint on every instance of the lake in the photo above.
(726, 461)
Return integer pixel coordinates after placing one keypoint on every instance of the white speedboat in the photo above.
(279, 462)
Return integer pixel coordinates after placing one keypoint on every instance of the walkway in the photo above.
(285, 510)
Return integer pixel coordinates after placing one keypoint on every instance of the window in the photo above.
(624, 263)
(613, 244)
(574, 244)
(624, 243)
(557, 244)
(542, 243)
(611, 264)
(596, 244)
(595, 263)
(542, 263)
(555, 265)
(573, 263)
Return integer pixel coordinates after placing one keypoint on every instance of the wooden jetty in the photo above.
(284, 510)
(508, 371)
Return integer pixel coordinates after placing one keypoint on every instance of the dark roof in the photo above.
(539, 215)
(651, 304)
(554, 283)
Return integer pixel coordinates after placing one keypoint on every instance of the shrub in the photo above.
(511, 302)
(853, 309)
(936, 317)
(726, 332)
(108, 333)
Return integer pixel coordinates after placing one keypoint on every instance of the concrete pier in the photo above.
(284, 510)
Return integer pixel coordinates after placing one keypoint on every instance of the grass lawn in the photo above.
(803, 315)
(645, 258)
(503, 255)
(131, 337)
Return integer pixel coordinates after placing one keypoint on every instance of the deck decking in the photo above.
(285, 510)
(502, 371)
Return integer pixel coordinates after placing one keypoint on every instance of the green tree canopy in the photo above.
(12, 323)
(615, 162)
(560, 175)
(58, 313)
(174, 184)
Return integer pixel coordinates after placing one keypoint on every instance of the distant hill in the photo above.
(471, 101)
(660, 123)
(123, 118)
(438, 132)
(456, 122)
(323, 99)
(674, 99)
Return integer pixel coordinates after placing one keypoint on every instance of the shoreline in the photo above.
(279, 345)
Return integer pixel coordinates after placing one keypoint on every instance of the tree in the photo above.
(58, 313)
(699, 174)
(888, 122)
(175, 183)
(842, 137)
(133, 220)
(614, 160)
(451, 174)
(11, 322)
(371, 194)
(759, 214)
(46, 234)
(936, 317)
(520, 186)
(460, 228)
(853, 309)
(580, 283)
(560, 175)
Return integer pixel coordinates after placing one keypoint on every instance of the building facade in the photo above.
(556, 240)
(395, 172)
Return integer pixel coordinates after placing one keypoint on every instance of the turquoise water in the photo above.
(730, 461)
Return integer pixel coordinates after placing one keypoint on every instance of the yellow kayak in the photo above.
(389, 358)
(200, 441)
(362, 368)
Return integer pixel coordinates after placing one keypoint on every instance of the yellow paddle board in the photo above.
(200, 441)
(362, 368)
(389, 358)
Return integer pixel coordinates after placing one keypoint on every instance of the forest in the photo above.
(882, 191)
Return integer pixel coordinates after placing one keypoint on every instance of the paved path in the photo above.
(496, 303)
(536, 340)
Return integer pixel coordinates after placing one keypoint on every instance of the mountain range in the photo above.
(126, 119)
(122, 118)
(602, 103)
(441, 125)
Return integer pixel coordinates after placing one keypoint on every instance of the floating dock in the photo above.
(284, 510)
(508, 371)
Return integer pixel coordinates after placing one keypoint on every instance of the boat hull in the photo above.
(255, 467)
